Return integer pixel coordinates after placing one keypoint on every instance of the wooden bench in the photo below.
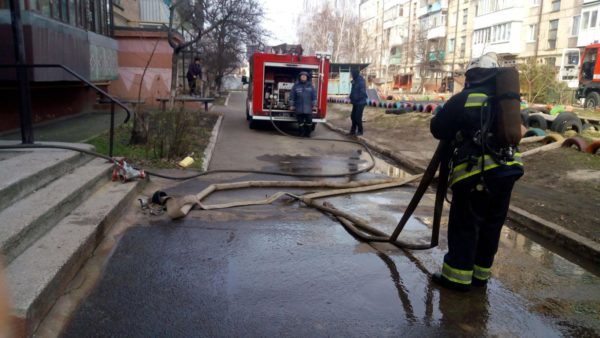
(183, 99)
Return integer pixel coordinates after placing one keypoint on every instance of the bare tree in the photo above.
(139, 132)
(224, 47)
(196, 19)
(536, 80)
(332, 29)
(420, 49)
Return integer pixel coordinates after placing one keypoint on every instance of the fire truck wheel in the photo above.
(575, 142)
(253, 124)
(537, 121)
(592, 100)
(567, 121)
(248, 117)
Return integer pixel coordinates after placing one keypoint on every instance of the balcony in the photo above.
(396, 40)
(436, 32)
(438, 56)
(433, 8)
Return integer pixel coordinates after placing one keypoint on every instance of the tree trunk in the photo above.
(139, 133)
(174, 63)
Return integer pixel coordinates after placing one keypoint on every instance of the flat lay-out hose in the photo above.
(179, 207)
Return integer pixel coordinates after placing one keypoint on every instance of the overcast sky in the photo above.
(281, 20)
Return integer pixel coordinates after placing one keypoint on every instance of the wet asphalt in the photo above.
(286, 270)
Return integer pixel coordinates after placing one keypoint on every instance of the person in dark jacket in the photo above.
(358, 98)
(194, 73)
(303, 99)
(481, 183)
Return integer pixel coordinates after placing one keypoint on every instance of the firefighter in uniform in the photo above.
(481, 181)
(302, 100)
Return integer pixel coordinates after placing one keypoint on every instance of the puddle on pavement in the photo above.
(511, 304)
(308, 164)
(386, 168)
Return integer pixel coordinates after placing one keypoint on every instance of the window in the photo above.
(552, 34)
(495, 34)
(555, 5)
(465, 16)
(551, 61)
(593, 19)
(589, 60)
(535, 2)
(532, 33)
(586, 20)
(451, 43)
(463, 40)
(575, 27)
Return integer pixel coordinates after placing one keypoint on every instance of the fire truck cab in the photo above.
(589, 77)
(272, 77)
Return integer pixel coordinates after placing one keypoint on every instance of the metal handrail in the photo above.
(113, 100)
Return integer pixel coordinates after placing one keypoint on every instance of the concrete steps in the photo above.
(55, 210)
(39, 275)
(27, 171)
(30, 217)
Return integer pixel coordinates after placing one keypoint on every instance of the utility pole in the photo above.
(454, 47)
(22, 76)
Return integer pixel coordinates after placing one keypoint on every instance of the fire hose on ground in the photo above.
(178, 207)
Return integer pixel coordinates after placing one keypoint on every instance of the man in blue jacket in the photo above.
(358, 98)
(302, 100)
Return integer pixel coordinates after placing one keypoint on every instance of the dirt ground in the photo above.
(406, 133)
(562, 185)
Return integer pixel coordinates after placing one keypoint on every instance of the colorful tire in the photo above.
(536, 121)
(594, 148)
(525, 114)
(567, 121)
(553, 138)
(534, 132)
(575, 142)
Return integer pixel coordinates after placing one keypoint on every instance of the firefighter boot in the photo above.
(307, 130)
(439, 279)
(301, 129)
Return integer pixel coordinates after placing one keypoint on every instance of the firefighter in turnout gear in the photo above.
(482, 176)
(303, 99)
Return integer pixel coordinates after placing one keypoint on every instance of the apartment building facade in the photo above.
(457, 30)
(74, 33)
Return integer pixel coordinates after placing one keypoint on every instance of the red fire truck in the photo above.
(589, 76)
(271, 79)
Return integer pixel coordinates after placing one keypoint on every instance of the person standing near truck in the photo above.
(194, 74)
(358, 98)
(303, 98)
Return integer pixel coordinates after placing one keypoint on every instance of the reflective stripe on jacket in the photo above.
(469, 167)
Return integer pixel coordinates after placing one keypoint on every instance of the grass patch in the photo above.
(156, 153)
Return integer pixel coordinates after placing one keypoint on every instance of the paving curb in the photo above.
(577, 244)
(566, 238)
(211, 144)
